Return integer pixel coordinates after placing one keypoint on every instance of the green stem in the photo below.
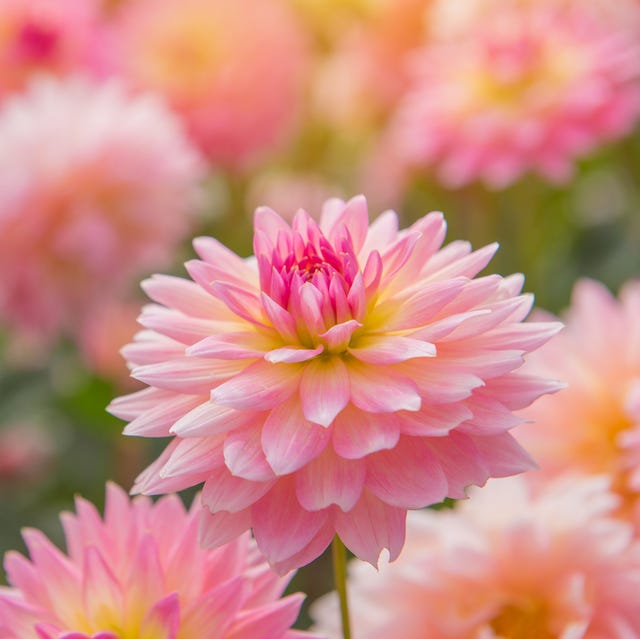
(340, 580)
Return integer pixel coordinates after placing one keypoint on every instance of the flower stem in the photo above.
(340, 580)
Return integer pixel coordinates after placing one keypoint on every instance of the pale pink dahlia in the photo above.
(343, 375)
(233, 70)
(526, 87)
(140, 574)
(594, 425)
(97, 187)
(59, 37)
(507, 564)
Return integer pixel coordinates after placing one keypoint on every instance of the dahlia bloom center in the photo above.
(523, 620)
(318, 282)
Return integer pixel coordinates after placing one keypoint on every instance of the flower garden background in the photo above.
(307, 375)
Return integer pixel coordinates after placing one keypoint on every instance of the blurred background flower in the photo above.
(508, 564)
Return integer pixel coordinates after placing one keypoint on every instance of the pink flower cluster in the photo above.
(139, 574)
(524, 86)
(343, 375)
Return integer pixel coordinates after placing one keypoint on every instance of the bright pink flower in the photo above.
(233, 71)
(96, 188)
(140, 574)
(527, 86)
(343, 375)
(507, 564)
(57, 37)
(594, 425)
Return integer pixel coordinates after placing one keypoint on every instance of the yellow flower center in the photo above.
(523, 620)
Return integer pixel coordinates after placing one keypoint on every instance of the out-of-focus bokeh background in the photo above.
(128, 127)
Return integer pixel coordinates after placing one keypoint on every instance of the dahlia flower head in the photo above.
(62, 37)
(97, 187)
(140, 574)
(233, 71)
(526, 87)
(509, 563)
(343, 375)
(593, 426)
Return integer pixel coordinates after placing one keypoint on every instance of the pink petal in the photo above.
(281, 319)
(131, 406)
(517, 390)
(195, 455)
(214, 252)
(434, 420)
(324, 389)
(382, 390)
(338, 336)
(357, 433)
(310, 552)
(290, 441)
(503, 455)
(189, 375)
(382, 231)
(243, 454)
(267, 622)
(390, 349)
(208, 419)
(223, 491)
(157, 421)
(182, 295)
(102, 593)
(145, 584)
(222, 527)
(371, 526)
(211, 614)
(267, 226)
(408, 476)
(437, 386)
(468, 265)
(330, 479)
(397, 314)
(260, 386)
(292, 355)
(281, 526)
(243, 303)
(163, 620)
(240, 345)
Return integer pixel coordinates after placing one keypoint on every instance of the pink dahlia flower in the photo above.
(139, 574)
(507, 564)
(594, 425)
(58, 37)
(233, 71)
(96, 188)
(528, 86)
(343, 375)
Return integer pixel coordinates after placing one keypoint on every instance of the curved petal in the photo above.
(243, 454)
(390, 349)
(324, 389)
(357, 433)
(223, 491)
(370, 526)
(290, 441)
(330, 479)
(281, 526)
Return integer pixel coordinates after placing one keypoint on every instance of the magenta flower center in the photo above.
(36, 43)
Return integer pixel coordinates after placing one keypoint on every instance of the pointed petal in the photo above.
(223, 491)
(330, 479)
(370, 526)
(243, 454)
(357, 433)
(289, 440)
(291, 530)
(324, 389)
(391, 349)
(222, 527)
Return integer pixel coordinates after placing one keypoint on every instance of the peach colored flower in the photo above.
(96, 188)
(594, 425)
(139, 574)
(527, 86)
(59, 37)
(343, 375)
(507, 564)
(233, 71)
